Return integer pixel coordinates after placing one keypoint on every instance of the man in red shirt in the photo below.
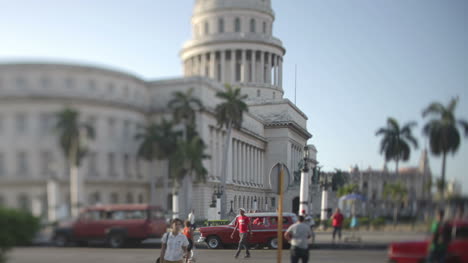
(243, 223)
(337, 223)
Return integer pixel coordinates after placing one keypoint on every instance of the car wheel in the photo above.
(273, 243)
(213, 242)
(116, 240)
(61, 240)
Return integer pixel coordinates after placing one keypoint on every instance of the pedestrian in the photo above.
(191, 218)
(174, 244)
(298, 235)
(188, 232)
(439, 239)
(245, 228)
(337, 223)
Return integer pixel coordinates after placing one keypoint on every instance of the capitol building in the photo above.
(232, 43)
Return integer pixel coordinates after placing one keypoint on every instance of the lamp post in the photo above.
(218, 192)
(325, 182)
(304, 187)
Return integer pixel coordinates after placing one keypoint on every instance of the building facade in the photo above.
(232, 43)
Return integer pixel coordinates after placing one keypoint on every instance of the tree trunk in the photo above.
(224, 171)
(444, 160)
(153, 184)
(74, 199)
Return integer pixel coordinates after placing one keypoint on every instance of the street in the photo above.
(145, 255)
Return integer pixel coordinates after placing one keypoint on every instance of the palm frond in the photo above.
(434, 108)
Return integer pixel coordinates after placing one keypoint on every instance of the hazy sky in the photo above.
(359, 61)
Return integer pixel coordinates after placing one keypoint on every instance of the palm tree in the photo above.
(395, 144)
(73, 136)
(442, 131)
(158, 141)
(229, 114)
(187, 161)
(398, 193)
(184, 107)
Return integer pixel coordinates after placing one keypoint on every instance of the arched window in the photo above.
(237, 25)
(252, 25)
(258, 93)
(207, 28)
(220, 25)
(264, 28)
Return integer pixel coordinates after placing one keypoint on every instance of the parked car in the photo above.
(416, 252)
(117, 225)
(264, 228)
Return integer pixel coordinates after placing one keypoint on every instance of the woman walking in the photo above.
(174, 244)
(188, 232)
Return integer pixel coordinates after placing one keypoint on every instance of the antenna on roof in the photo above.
(295, 83)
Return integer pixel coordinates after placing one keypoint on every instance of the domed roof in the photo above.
(211, 5)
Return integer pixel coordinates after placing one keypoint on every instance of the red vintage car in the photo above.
(264, 228)
(118, 225)
(416, 252)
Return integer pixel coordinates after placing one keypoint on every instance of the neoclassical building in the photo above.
(232, 43)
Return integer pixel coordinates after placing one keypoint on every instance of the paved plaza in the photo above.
(146, 255)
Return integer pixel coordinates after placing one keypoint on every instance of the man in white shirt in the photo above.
(298, 235)
(174, 244)
(191, 218)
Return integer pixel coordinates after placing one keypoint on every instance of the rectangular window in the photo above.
(69, 83)
(92, 121)
(21, 83)
(137, 167)
(46, 163)
(111, 164)
(111, 127)
(92, 164)
(126, 165)
(92, 85)
(21, 163)
(264, 28)
(20, 123)
(45, 83)
(46, 123)
(114, 198)
(126, 129)
(273, 202)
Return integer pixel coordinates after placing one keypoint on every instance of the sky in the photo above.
(358, 61)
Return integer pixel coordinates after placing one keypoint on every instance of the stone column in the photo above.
(280, 74)
(233, 66)
(244, 66)
(234, 160)
(222, 57)
(203, 64)
(268, 62)
(277, 71)
(213, 65)
(261, 75)
(253, 62)
(272, 69)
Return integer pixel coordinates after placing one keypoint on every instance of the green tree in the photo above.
(397, 193)
(157, 142)
(73, 136)
(184, 106)
(443, 133)
(188, 159)
(395, 144)
(229, 114)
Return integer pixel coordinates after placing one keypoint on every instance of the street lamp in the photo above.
(325, 182)
(304, 188)
(218, 192)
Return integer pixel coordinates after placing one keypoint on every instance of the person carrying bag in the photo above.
(174, 245)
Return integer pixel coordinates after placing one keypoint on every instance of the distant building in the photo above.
(371, 184)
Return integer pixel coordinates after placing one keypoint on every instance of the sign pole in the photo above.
(280, 215)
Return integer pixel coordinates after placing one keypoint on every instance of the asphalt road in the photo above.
(145, 255)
